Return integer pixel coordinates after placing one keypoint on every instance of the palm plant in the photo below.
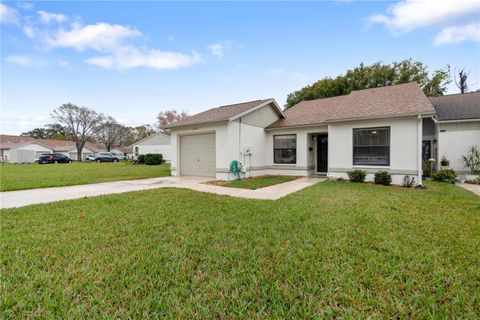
(472, 159)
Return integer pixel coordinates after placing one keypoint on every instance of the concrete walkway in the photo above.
(475, 188)
(22, 198)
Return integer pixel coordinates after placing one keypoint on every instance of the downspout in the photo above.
(239, 139)
(419, 149)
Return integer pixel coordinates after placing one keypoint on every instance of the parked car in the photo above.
(105, 157)
(53, 158)
(119, 155)
(90, 157)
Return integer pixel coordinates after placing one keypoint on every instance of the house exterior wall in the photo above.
(25, 154)
(404, 148)
(454, 138)
(230, 140)
(157, 143)
(72, 154)
(306, 151)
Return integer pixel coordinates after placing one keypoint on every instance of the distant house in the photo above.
(394, 129)
(156, 143)
(20, 149)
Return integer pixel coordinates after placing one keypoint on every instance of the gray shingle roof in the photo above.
(457, 106)
(396, 100)
(218, 114)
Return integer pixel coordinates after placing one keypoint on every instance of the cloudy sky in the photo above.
(134, 59)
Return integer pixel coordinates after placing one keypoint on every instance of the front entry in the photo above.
(322, 153)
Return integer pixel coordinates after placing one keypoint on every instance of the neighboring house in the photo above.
(155, 143)
(18, 149)
(457, 126)
(373, 130)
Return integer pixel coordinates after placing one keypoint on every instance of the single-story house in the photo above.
(156, 143)
(18, 149)
(457, 127)
(379, 129)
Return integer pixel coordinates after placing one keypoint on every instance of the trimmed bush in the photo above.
(408, 181)
(141, 158)
(153, 159)
(446, 175)
(383, 177)
(357, 175)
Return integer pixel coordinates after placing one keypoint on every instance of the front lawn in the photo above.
(31, 176)
(256, 182)
(333, 250)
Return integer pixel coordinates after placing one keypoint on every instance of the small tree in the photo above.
(472, 159)
(170, 116)
(81, 123)
(109, 133)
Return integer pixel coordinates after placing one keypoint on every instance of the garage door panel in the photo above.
(197, 155)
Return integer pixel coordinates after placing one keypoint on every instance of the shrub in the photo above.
(383, 177)
(472, 159)
(357, 175)
(408, 181)
(446, 175)
(153, 159)
(141, 158)
(426, 169)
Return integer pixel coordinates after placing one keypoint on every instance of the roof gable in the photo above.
(225, 113)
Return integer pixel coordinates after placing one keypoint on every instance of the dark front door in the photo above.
(322, 153)
(426, 150)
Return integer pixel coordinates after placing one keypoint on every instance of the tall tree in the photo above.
(372, 76)
(462, 81)
(81, 122)
(109, 133)
(170, 116)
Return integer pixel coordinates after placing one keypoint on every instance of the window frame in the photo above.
(295, 149)
(372, 129)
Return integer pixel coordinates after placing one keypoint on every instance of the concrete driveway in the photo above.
(22, 198)
(475, 188)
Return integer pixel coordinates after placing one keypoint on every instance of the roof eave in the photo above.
(170, 127)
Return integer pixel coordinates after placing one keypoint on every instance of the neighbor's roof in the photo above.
(13, 142)
(457, 106)
(390, 101)
(223, 113)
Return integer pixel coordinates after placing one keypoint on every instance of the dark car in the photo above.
(53, 158)
(105, 157)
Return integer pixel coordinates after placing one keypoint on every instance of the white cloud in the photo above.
(130, 57)
(408, 15)
(47, 17)
(25, 5)
(217, 49)
(8, 15)
(101, 37)
(458, 34)
(22, 60)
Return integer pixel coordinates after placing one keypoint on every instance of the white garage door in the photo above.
(197, 155)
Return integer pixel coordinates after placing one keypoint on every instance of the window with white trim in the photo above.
(285, 149)
(371, 146)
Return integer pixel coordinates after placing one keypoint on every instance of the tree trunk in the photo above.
(79, 154)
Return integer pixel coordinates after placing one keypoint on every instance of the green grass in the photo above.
(32, 176)
(333, 250)
(258, 182)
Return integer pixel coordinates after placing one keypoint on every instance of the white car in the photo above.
(90, 157)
